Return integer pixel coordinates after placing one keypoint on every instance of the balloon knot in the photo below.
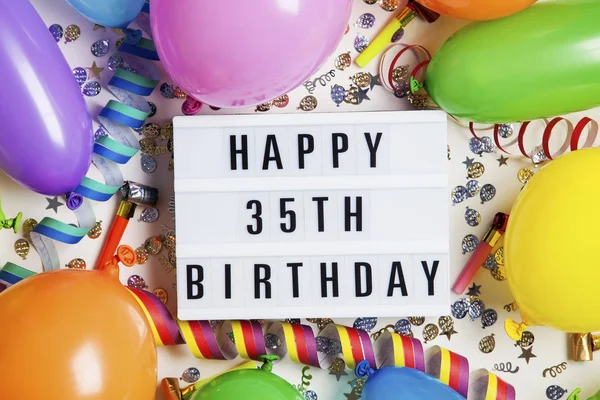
(10, 223)
(363, 368)
(74, 201)
(132, 36)
(514, 329)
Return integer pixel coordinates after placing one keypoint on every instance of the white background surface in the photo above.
(550, 346)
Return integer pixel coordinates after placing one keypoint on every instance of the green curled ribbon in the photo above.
(415, 85)
(10, 223)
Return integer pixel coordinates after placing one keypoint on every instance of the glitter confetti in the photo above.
(498, 273)
(179, 93)
(487, 344)
(488, 191)
(446, 323)
(167, 90)
(281, 101)
(141, 255)
(389, 5)
(460, 308)
(308, 103)
(555, 392)
(115, 62)
(366, 323)
(21, 247)
(56, 31)
(398, 35)
(166, 132)
(161, 294)
(403, 327)
(538, 155)
(402, 89)
(472, 217)
(526, 340)
(80, 75)
(352, 95)
(499, 256)
(430, 332)
(476, 309)
(459, 194)
(328, 346)
(370, 2)
(293, 320)
(147, 145)
(137, 282)
(190, 375)
(28, 226)
(152, 109)
(490, 262)
(263, 107)
(343, 61)
(96, 230)
(473, 188)
(476, 170)
(149, 214)
(361, 79)
(476, 146)
(309, 395)
(338, 93)
(151, 130)
(360, 43)
(400, 74)
(469, 243)
(488, 144)
(148, 163)
(489, 318)
(100, 132)
(272, 342)
(524, 175)
(92, 89)
(365, 21)
(169, 242)
(100, 47)
(416, 321)
(153, 245)
(505, 131)
(76, 263)
(72, 33)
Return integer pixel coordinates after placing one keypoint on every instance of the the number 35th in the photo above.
(288, 217)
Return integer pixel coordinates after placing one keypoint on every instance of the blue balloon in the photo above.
(109, 13)
(391, 383)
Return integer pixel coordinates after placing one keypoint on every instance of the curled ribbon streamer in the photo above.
(228, 339)
(129, 85)
(571, 142)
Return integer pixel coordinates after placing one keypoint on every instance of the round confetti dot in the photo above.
(161, 294)
(338, 93)
(446, 323)
(476, 309)
(488, 144)
(365, 21)
(148, 163)
(310, 395)
(400, 73)
(92, 89)
(488, 191)
(343, 61)
(272, 342)
(398, 35)
(100, 47)
(96, 230)
(136, 282)
(191, 375)
(499, 256)
(360, 43)
(141, 255)
(469, 243)
(526, 340)
(72, 33)
(147, 145)
(149, 214)
(151, 130)
(389, 5)
(166, 132)
(403, 327)
(555, 392)
(416, 321)
(80, 75)
(459, 194)
(167, 90)
(76, 263)
(100, 132)
(152, 109)
(115, 62)
(308, 103)
(505, 131)
(281, 101)
(430, 332)
(473, 188)
(475, 170)
(366, 324)
(472, 217)
(487, 344)
(402, 89)
(460, 308)
(489, 318)
(476, 146)
(153, 245)
(490, 262)
(524, 175)
(56, 31)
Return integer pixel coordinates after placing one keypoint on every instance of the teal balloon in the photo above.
(541, 62)
(247, 384)
(109, 13)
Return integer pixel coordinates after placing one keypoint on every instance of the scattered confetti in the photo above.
(308, 103)
(468, 162)
(370, 2)
(446, 323)
(281, 101)
(490, 262)
(488, 191)
(100, 47)
(499, 256)
(148, 163)
(115, 62)
(352, 95)
(460, 308)
(167, 90)
(100, 132)
(389, 5)
(476, 146)
(459, 194)
(360, 43)
(179, 93)
(555, 392)
(506, 367)
(169, 242)
(77, 263)
(190, 375)
(80, 75)
(95, 70)
(469, 243)
(538, 155)
(141, 255)
(338, 93)
(328, 346)
(361, 79)
(527, 354)
(430, 332)
(502, 160)
(149, 214)
(321, 322)
(473, 188)
(489, 318)
(272, 342)
(309, 395)
(56, 31)
(161, 294)
(28, 226)
(487, 344)
(474, 290)
(137, 282)
(526, 340)
(365, 21)
(554, 370)
(416, 321)
(365, 324)
(498, 273)
(96, 230)
(476, 170)
(398, 35)
(151, 130)
(505, 131)
(53, 203)
(403, 327)
(338, 368)
(153, 245)
(92, 89)
(488, 144)
(343, 61)
(476, 309)
(72, 33)
(400, 74)
(472, 217)
(21, 247)
(524, 175)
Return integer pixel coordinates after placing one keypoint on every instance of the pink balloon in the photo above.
(239, 53)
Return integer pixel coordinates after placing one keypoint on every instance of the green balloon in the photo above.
(248, 384)
(539, 63)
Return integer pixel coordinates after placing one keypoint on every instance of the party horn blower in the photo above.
(583, 345)
(134, 194)
(483, 250)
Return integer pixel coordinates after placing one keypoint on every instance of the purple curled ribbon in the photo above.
(74, 201)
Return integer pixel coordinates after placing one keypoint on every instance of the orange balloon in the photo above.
(477, 9)
(77, 335)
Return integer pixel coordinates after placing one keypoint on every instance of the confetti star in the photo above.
(449, 333)
(53, 204)
(375, 80)
(96, 27)
(468, 162)
(95, 70)
(352, 395)
(338, 374)
(527, 354)
(362, 95)
(474, 290)
(502, 160)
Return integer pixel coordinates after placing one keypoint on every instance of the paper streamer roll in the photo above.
(225, 340)
(118, 118)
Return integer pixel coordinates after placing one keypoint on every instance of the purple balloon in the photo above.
(45, 129)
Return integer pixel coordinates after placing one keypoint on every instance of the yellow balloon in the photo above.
(552, 246)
